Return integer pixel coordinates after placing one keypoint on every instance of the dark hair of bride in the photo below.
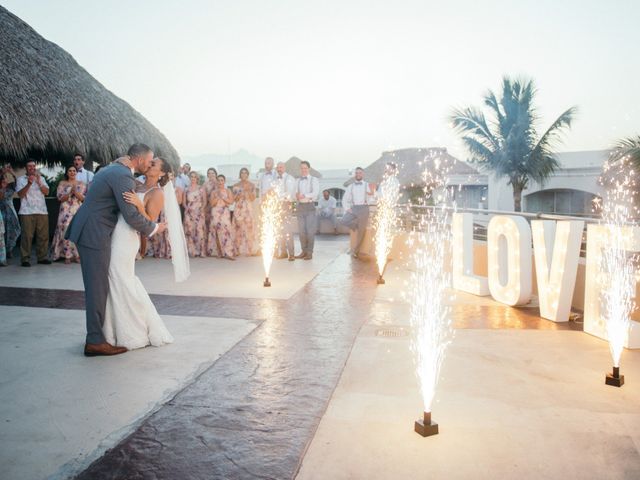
(166, 169)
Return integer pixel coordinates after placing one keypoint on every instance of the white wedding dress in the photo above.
(131, 319)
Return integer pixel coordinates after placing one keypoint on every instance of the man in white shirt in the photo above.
(34, 218)
(268, 177)
(182, 180)
(327, 209)
(285, 185)
(307, 190)
(356, 201)
(85, 176)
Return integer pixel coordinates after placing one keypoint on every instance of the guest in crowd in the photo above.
(244, 194)
(327, 209)
(221, 233)
(195, 203)
(183, 180)
(356, 202)
(71, 194)
(179, 193)
(286, 187)
(3, 250)
(11, 222)
(83, 175)
(34, 217)
(307, 189)
(267, 177)
(210, 184)
(153, 207)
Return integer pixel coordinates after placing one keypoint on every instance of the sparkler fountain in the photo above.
(619, 284)
(270, 229)
(384, 221)
(430, 320)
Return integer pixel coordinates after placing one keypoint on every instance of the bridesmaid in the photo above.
(11, 222)
(3, 251)
(195, 203)
(210, 184)
(245, 193)
(221, 232)
(71, 194)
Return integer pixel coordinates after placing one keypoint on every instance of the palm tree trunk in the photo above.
(517, 197)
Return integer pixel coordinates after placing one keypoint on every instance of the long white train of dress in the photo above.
(131, 319)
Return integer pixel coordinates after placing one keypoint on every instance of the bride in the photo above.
(131, 319)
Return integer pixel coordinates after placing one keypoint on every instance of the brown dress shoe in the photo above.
(308, 256)
(302, 255)
(102, 349)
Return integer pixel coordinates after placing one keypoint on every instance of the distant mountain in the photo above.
(206, 160)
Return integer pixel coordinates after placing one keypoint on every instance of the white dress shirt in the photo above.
(85, 176)
(356, 194)
(327, 206)
(183, 181)
(286, 186)
(308, 186)
(33, 203)
(267, 181)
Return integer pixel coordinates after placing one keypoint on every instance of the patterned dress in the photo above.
(158, 245)
(221, 232)
(245, 240)
(194, 221)
(10, 217)
(61, 248)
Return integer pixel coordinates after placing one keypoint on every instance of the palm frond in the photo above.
(630, 147)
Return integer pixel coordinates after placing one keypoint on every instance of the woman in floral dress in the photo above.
(3, 251)
(221, 232)
(195, 203)
(71, 194)
(244, 194)
(11, 222)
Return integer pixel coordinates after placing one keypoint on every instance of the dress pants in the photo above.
(307, 226)
(37, 224)
(357, 219)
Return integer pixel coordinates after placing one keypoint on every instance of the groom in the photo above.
(91, 230)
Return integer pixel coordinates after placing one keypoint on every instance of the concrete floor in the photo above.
(59, 410)
(512, 403)
(209, 276)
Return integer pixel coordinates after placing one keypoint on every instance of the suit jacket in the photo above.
(93, 223)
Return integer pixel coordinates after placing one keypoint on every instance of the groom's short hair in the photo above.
(138, 149)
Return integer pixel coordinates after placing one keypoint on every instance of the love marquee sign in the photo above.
(556, 251)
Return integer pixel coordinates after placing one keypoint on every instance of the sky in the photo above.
(338, 82)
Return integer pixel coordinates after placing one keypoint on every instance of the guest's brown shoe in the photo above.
(102, 349)
(302, 255)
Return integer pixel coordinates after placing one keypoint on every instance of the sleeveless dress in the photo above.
(131, 319)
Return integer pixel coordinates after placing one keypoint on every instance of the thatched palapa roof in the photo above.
(51, 107)
(411, 162)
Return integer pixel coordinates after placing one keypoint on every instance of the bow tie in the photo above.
(279, 177)
(80, 170)
(267, 173)
(303, 178)
(358, 183)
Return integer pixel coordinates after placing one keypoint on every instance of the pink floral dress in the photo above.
(194, 221)
(245, 240)
(61, 248)
(158, 245)
(221, 232)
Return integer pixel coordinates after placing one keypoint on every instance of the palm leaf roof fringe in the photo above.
(51, 107)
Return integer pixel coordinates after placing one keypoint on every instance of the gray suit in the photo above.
(91, 230)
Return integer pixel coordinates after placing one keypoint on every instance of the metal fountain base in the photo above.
(380, 280)
(266, 283)
(614, 379)
(425, 427)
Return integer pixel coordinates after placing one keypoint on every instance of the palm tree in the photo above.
(508, 145)
(628, 147)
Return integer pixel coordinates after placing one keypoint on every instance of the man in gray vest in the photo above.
(307, 190)
(356, 205)
(91, 230)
